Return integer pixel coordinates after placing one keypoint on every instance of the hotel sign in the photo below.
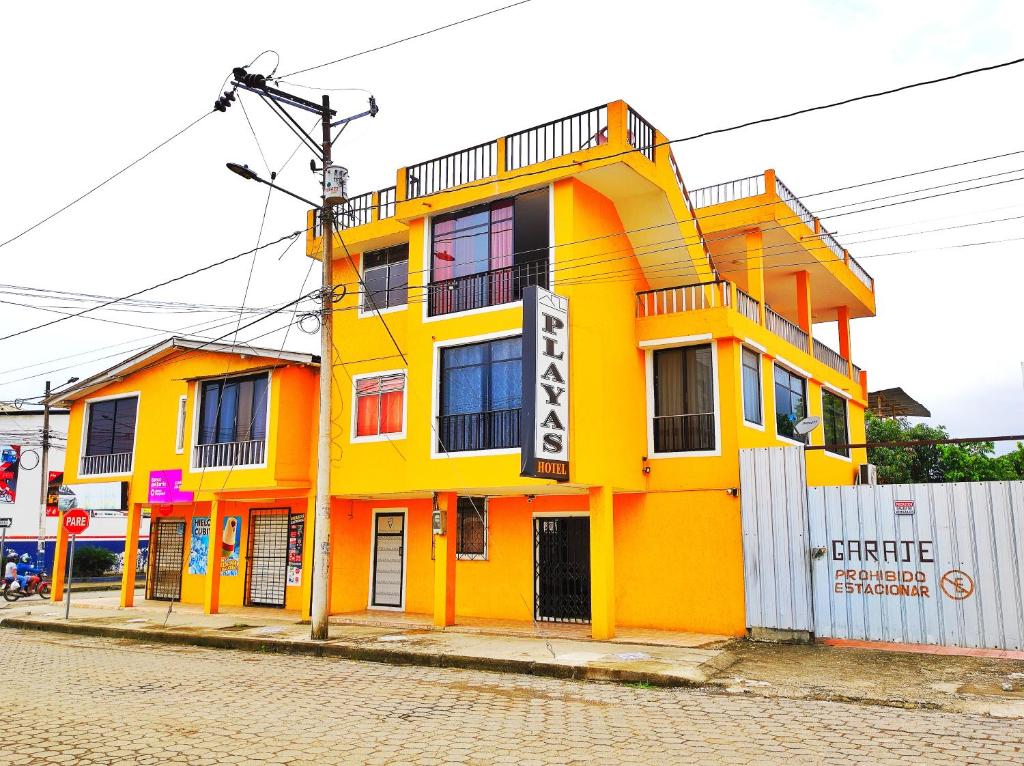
(545, 413)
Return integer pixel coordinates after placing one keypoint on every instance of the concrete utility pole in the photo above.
(44, 466)
(322, 527)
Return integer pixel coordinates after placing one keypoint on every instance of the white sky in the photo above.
(89, 87)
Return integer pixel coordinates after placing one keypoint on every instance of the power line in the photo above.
(107, 180)
(404, 39)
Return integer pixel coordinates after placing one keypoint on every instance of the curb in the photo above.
(362, 653)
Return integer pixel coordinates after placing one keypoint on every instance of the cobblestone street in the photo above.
(102, 701)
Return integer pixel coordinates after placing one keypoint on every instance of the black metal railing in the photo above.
(487, 288)
(684, 433)
(583, 130)
(355, 211)
(497, 429)
(640, 134)
(386, 203)
(452, 170)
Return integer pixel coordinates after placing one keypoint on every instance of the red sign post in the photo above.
(75, 522)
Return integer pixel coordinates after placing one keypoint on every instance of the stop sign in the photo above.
(76, 521)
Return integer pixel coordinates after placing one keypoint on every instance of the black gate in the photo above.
(166, 559)
(266, 568)
(561, 556)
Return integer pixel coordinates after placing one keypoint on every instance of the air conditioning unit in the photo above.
(867, 474)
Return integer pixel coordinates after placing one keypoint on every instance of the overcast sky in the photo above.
(90, 86)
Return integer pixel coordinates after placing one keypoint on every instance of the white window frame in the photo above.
(85, 431)
(362, 313)
(373, 557)
(435, 393)
(487, 533)
(195, 424)
(760, 387)
(695, 340)
(182, 416)
(353, 438)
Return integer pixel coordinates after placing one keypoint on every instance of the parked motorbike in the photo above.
(35, 585)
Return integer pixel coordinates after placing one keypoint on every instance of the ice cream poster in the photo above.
(230, 540)
(199, 547)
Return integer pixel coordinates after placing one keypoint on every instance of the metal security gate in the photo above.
(561, 568)
(938, 564)
(388, 560)
(166, 560)
(266, 568)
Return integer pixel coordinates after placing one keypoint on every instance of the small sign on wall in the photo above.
(903, 507)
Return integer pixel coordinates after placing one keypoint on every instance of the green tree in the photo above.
(933, 463)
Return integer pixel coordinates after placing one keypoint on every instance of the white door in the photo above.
(388, 553)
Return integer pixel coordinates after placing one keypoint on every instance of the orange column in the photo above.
(755, 269)
(803, 304)
(444, 562)
(602, 563)
(131, 555)
(843, 320)
(60, 563)
(211, 583)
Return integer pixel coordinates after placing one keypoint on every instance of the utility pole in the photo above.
(322, 527)
(44, 465)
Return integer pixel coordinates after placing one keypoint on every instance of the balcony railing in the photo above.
(730, 191)
(684, 433)
(640, 134)
(497, 429)
(785, 329)
(832, 358)
(487, 288)
(748, 306)
(858, 271)
(386, 203)
(117, 462)
(224, 454)
(670, 300)
(856, 372)
(583, 130)
(462, 167)
(794, 203)
(355, 211)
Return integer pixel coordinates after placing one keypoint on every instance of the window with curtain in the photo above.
(833, 411)
(481, 395)
(471, 535)
(684, 402)
(386, 276)
(790, 403)
(233, 409)
(379, 405)
(111, 426)
(751, 361)
(486, 255)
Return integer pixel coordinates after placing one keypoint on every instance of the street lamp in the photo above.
(250, 175)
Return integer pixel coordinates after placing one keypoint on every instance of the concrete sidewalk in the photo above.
(689, 661)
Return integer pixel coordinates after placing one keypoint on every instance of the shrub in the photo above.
(91, 561)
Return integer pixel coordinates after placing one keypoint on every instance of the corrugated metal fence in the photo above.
(917, 563)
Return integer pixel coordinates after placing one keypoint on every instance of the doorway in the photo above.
(387, 575)
(166, 560)
(266, 568)
(561, 558)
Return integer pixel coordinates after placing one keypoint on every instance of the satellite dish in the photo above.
(807, 425)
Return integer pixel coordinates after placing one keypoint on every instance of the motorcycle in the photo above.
(35, 585)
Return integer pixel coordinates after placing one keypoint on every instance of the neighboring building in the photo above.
(691, 335)
(21, 438)
(211, 442)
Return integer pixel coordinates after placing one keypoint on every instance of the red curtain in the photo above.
(502, 256)
(443, 265)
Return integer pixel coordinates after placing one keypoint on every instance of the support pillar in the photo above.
(602, 563)
(843, 320)
(131, 555)
(803, 306)
(60, 562)
(444, 562)
(306, 597)
(211, 583)
(755, 269)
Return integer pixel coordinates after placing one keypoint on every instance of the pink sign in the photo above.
(165, 487)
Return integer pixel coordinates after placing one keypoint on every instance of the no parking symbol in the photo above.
(957, 584)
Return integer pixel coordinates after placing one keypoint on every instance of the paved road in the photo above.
(102, 701)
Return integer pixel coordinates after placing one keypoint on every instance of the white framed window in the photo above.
(753, 407)
(179, 437)
(684, 399)
(386, 280)
(380, 406)
(109, 429)
(471, 530)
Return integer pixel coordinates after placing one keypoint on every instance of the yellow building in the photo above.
(689, 336)
(214, 443)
